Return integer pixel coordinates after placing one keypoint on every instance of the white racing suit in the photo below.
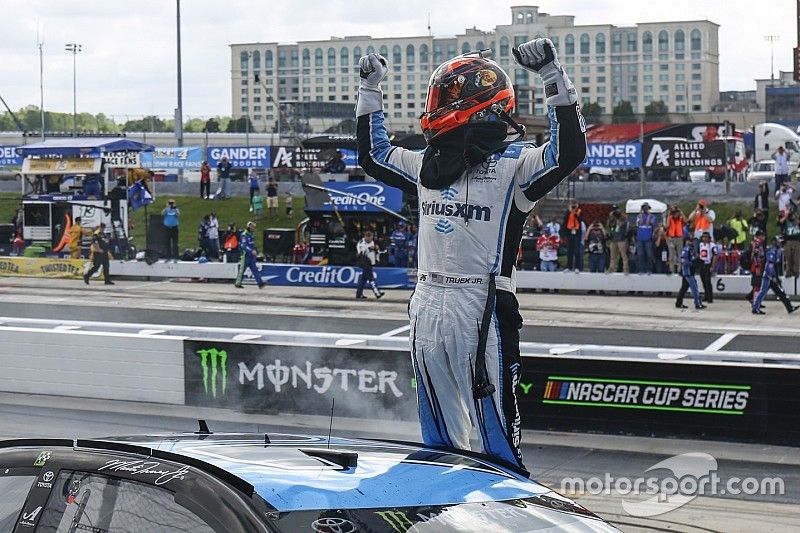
(468, 231)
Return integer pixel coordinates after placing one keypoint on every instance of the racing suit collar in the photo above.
(450, 154)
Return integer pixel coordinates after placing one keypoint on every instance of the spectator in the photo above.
(101, 253)
(781, 159)
(368, 252)
(757, 255)
(707, 258)
(76, 234)
(230, 244)
(702, 220)
(688, 259)
(555, 227)
(398, 247)
(676, 232)
(790, 231)
(202, 236)
(249, 254)
(574, 228)
(784, 197)
(618, 229)
(412, 247)
(287, 198)
(758, 222)
(547, 244)
(272, 198)
(771, 280)
(224, 177)
(171, 220)
(256, 205)
(213, 234)
(335, 164)
(205, 181)
(645, 226)
(761, 200)
(596, 246)
(255, 186)
(740, 226)
(660, 251)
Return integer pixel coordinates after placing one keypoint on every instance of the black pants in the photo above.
(100, 260)
(205, 189)
(172, 243)
(367, 278)
(705, 277)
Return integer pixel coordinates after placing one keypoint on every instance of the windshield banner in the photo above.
(170, 157)
(613, 155)
(297, 379)
(330, 276)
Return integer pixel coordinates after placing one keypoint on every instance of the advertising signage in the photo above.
(359, 196)
(684, 154)
(173, 157)
(330, 276)
(240, 156)
(309, 158)
(299, 379)
(627, 155)
(9, 156)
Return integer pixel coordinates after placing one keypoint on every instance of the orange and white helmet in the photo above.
(462, 90)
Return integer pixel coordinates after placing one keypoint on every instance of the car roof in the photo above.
(301, 472)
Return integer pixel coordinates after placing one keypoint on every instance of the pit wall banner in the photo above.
(35, 267)
(330, 276)
(627, 155)
(9, 156)
(741, 403)
(299, 379)
(253, 156)
(173, 157)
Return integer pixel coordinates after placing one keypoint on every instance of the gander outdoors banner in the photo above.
(36, 267)
(613, 155)
(330, 276)
(299, 379)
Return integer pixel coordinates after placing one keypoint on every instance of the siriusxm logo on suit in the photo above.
(328, 276)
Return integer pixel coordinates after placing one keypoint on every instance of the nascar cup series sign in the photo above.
(613, 155)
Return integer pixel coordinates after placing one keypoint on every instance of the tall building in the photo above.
(674, 62)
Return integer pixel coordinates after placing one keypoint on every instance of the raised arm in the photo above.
(542, 168)
(392, 165)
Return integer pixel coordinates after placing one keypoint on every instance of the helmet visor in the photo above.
(463, 83)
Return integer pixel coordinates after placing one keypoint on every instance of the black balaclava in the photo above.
(451, 153)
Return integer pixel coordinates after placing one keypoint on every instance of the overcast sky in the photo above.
(128, 61)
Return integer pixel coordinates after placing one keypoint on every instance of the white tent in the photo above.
(635, 206)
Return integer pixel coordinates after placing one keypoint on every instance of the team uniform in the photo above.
(770, 281)
(469, 235)
(247, 259)
(399, 247)
(688, 259)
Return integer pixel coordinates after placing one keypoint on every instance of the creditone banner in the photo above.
(684, 154)
(627, 155)
(299, 379)
(330, 276)
(37, 267)
(9, 156)
(240, 156)
(743, 403)
(360, 196)
(173, 157)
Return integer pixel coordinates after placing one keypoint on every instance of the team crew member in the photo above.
(76, 233)
(247, 248)
(770, 281)
(399, 239)
(101, 253)
(707, 252)
(475, 190)
(368, 252)
(688, 282)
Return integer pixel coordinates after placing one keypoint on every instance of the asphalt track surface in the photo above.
(376, 326)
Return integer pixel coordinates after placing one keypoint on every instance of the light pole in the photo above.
(40, 44)
(179, 109)
(772, 39)
(74, 48)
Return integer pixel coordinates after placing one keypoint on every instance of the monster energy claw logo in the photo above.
(219, 365)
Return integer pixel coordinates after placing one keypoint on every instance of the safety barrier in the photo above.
(631, 390)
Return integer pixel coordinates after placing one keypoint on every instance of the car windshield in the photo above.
(765, 166)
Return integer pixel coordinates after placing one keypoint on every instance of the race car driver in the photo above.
(248, 257)
(475, 190)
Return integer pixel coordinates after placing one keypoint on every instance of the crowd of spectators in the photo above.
(644, 242)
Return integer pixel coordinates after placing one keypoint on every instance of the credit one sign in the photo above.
(173, 157)
(9, 156)
(241, 156)
(330, 276)
(359, 196)
(628, 155)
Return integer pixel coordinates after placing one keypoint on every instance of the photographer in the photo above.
(618, 229)
(702, 220)
(676, 231)
(368, 252)
(595, 241)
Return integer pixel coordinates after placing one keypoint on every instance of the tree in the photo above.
(212, 125)
(240, 125)
(591, 112)
(194, 125)
(656, 111)
(149, 123)
(623, 113)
